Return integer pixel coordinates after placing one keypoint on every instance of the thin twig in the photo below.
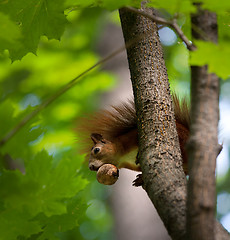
(173, 24)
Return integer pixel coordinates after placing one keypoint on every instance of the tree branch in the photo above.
(203, 145)
(173, 24)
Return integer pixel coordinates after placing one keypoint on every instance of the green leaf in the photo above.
(64, 222)
(35, 18)
(215, 55)
(9, 33)
(15, 223)
(55, 184)
(44, 190)
(112, 5)
(175, 6)
(26, 134)
(7, 110)
(215, 6)
(223, 21)
(80, 4)
(108, 4)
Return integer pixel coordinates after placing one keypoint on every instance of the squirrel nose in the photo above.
(92, 167)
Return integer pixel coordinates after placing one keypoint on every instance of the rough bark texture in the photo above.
(159, 150)
(203, 143)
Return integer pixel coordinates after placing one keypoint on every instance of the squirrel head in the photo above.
(102, 152)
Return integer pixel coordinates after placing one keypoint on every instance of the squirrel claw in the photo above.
(220, 147)
(138, 181)
(137, 158)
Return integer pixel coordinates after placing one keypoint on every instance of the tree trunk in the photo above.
(159, 150)
(203, 143)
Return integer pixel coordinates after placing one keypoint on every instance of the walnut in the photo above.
(107, 174)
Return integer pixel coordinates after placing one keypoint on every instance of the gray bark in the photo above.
(203, 143)
(159, 150)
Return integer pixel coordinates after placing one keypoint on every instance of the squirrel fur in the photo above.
(110, 136)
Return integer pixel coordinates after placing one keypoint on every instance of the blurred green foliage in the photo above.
(45, 191)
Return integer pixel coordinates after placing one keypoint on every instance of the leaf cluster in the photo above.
(45, 193)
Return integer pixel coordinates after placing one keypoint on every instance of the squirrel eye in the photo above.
(96, 150)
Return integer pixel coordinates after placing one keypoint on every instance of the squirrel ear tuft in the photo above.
(96, 137)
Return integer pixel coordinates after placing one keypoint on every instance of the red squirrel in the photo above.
(112, 135)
